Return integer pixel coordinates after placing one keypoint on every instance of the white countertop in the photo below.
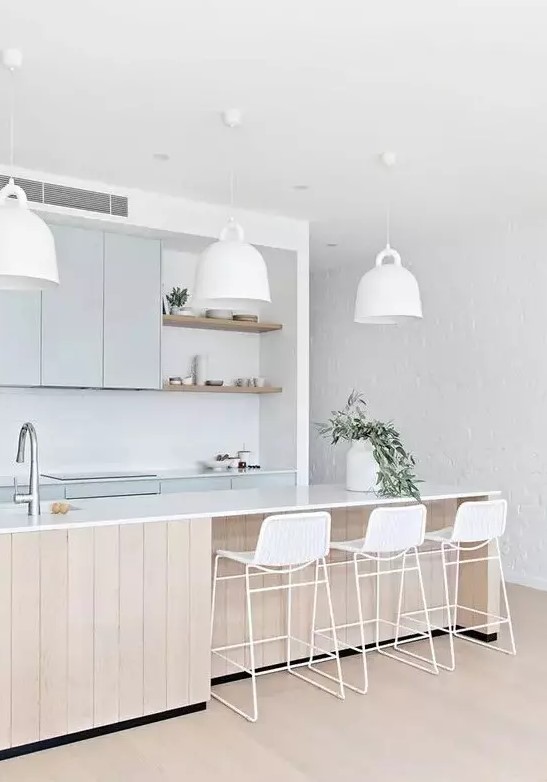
(150, 475)
(174, 507)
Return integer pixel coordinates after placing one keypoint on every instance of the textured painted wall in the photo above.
(467, 386)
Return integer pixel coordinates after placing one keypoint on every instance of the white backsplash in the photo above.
(86, 429)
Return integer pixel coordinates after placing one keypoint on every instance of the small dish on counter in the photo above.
(219, 314)
(242, 318)
(214, 383)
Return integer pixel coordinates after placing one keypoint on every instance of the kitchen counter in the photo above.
(105, 612)
(207, 505)
(6, 481)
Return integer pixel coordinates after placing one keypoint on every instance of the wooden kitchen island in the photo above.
(105, 612)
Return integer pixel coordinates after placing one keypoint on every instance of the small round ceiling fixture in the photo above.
(232, 118)
(162, 157)
(300, 187)
(332, 244)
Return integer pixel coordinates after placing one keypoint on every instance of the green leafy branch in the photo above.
(396, 476)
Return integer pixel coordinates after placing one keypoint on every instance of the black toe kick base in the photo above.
(234, 677)
(103, 730)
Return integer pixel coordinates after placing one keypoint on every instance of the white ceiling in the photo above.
(456, 88)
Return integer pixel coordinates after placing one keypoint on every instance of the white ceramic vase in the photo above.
(361, 467)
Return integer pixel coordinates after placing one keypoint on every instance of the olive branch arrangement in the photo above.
(396, 477)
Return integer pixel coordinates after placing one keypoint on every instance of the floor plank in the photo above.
(485, 721)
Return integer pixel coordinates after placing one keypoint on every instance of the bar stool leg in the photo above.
(289, 619)
(313, 613)
(377, 624)
(252, 668)
(251, 645)
(334, 655)
(333, 629)
(364, 689)
(426, 612)
(450, 616)
(214, 597)
(513, 648)
(397, 646)
(400, 600)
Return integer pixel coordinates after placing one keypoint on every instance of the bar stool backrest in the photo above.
(293, 539)
(479, 520)
(395, 529)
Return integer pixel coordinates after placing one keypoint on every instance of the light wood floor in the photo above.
(487, 721)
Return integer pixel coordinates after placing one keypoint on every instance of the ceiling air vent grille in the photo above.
(71, 197)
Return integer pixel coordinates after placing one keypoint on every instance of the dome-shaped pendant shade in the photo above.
(27, 249)
(230, 273)
(388, 293)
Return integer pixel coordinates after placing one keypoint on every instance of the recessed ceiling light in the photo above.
(332, 244)
(300, 187)
(163, 157)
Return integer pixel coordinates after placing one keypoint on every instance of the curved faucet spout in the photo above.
(33, 496)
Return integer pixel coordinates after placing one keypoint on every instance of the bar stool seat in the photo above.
(245, 557)
(286, 544)
(440, 535)
(351, 546)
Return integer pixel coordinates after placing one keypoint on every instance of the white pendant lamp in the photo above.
(231, 274)
(388, 293)
(27, 249)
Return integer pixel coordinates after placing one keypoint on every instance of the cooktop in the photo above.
(97, 476)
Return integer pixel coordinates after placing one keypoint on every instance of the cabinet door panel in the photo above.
(258, 481)
(19, 338)
(132, 312)
(111, 489)
(72, 314)
(175, 485)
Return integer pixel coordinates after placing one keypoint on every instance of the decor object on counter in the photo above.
(388, 293)
(60, 507)
(27, 249)
(214, 382)
(230, 272)
(177, 301)
(241, 318)
(222, 461)
(250, 382)
(376, 460)
(219, 314)
(197, 370)
(175, 381)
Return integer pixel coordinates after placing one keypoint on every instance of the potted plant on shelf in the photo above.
(177, 301)
(376, 460)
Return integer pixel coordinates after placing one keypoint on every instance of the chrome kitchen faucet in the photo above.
(33, 496)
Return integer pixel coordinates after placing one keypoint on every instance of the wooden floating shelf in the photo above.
(222, 389)
(219, 324)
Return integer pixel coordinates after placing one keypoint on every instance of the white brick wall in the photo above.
(467, 386)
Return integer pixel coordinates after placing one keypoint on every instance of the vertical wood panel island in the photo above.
(105, 612)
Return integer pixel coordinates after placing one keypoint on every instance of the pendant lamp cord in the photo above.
(388, 208)
(232, 177)
(12, 118)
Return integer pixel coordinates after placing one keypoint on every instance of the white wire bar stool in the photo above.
(478, 527)
(286, 544)
(393, 536)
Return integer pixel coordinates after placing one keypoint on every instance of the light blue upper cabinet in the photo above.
(19, 338)
(132, 312)
(72, 314)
